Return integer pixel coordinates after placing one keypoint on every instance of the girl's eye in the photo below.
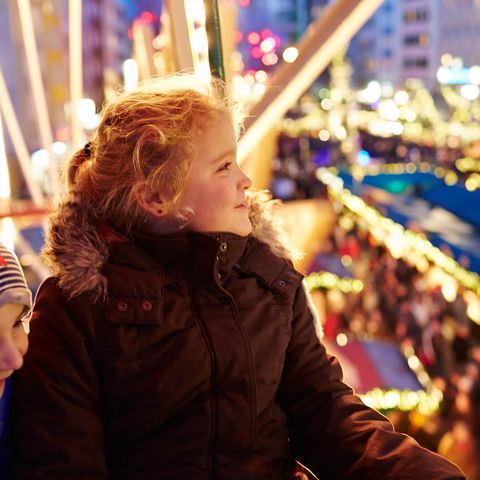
(225, 166)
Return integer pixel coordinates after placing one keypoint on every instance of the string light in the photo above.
(383, 228)
(328, 280)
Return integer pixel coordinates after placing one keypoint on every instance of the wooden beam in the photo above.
(329, 33)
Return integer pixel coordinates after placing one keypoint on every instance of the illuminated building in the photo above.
(460, 30)
(105, 46)
(374, 51)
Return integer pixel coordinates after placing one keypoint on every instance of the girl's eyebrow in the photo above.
(220, 157)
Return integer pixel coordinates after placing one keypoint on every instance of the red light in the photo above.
(244, 3)
(148, 17)
(266, 33)
(256, 52)
(130, 33)
(238, 36)
(277, 40)
(63, 134)
(253, 38)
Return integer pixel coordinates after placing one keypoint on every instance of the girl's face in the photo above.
(13, 339)
(214, 191)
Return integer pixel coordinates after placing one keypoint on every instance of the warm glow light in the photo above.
(130, 74)
(470, 92)
(401, 97)
(86, 113)
(324, 135)
(8, 233)
(449, 290)
(261, 76)
(270, 59)
(341, 339)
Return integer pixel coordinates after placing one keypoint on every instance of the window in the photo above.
(421, 62)
(412, 16)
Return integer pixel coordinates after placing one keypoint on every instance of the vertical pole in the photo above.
(215, 49)
(11, 122)
(76, 69)
(38, 90)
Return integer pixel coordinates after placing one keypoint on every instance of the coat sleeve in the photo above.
(331, 431)
(58, 427)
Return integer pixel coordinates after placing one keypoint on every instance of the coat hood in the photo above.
(76, 251)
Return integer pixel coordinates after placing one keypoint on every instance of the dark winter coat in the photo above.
(199, 360)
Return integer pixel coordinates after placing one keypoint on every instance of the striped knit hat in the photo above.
(13, 287)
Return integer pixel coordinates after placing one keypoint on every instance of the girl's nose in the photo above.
(245, 181)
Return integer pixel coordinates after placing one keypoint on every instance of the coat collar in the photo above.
(77, 249)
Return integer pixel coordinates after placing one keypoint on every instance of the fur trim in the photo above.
(75, 252)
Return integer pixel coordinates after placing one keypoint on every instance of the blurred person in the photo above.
(475, 395)
(15, 311)
(457, 445)
(175, 339)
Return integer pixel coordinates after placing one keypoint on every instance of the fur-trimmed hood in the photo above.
(76, 252)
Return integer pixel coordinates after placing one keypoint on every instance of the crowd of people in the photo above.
(400, 304)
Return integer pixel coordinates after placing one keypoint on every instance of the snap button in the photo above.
(146, 306)
(282, 283)
(122, 306)
(223, 246)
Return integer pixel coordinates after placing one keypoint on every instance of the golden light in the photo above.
(450, 178)
(261, 76)
(341, 339)
(401, 97)
(326, 104)
(8, 232)
(473, 311)
(471, 184)
(449, 290)
(446, 59)
(324, 135)
(130, 74)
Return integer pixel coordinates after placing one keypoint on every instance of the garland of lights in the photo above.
(388, 228)
(405, 400)
(425, 401)
(329, 280)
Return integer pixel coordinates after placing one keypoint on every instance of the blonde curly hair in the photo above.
(146, 141)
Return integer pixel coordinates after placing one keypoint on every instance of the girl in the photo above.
(15, 312)
(175, 340)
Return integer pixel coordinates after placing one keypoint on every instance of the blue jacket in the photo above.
(5, 440)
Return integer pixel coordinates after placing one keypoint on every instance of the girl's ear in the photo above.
(152, 202)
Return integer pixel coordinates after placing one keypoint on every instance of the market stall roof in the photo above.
(370, 364)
